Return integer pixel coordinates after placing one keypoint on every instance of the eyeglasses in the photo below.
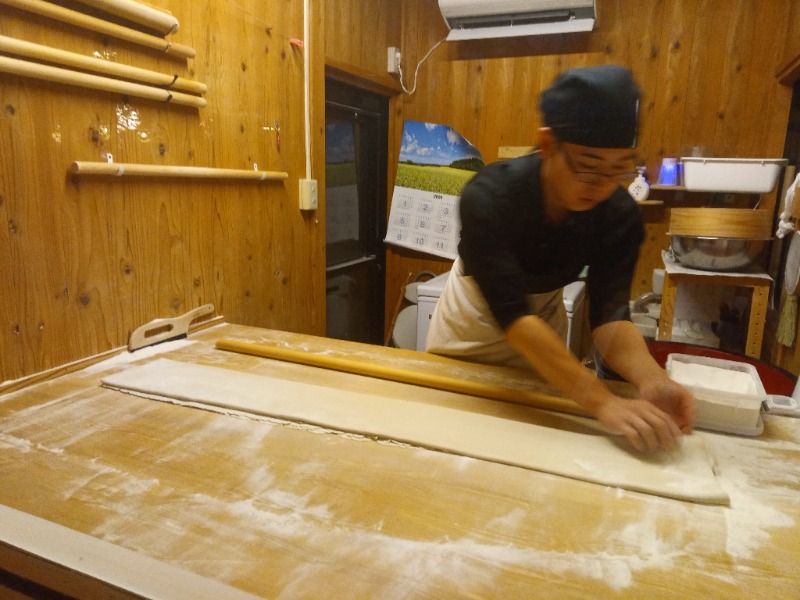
(591, 177)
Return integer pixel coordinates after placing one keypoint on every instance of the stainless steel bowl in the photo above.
(717, 253)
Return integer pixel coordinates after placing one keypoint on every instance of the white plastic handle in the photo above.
(782, 405)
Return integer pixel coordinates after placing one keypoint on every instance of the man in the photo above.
(529, 227)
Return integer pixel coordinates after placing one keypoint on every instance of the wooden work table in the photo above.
(279, 511)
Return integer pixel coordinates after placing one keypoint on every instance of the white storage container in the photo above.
(734, 175)
(574, 303)
(732, 403)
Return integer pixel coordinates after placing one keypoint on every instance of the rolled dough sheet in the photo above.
(684, 474)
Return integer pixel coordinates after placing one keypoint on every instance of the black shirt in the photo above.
(511, 250)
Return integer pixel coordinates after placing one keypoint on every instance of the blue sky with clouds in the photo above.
(339, 143)
(430, 143)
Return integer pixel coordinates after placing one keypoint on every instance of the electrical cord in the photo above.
(416, 71)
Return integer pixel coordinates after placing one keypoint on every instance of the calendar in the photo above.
(435, 164)
(424, 221)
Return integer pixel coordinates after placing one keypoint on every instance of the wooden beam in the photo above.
(98, 65)
(384, 85)
(26, 68)
(139, 170)
(65, 15)
(137, 12)
(789, 72)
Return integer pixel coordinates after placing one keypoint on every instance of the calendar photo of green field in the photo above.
(432, 178)
(435, 158)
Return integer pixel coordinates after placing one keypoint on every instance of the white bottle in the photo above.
(639, 189)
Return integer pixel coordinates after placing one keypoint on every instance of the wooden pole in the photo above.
(78, 19)
(26, 68)
(132, 169)
(438, 381)
(138, 13)
(90, 63)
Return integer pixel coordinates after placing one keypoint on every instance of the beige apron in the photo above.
(462, 324)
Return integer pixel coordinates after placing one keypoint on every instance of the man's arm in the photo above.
(645, 425)
(623, 349)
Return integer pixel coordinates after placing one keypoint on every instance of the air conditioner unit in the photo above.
(475, 19)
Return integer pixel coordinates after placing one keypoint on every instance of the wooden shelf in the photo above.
(674, 188)
(379, 83)
(758, 305)
(683, 188)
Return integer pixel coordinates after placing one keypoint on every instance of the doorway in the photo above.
(356, 146)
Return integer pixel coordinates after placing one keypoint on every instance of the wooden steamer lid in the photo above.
(744, 223)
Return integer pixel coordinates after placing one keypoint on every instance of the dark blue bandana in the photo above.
(593, 106)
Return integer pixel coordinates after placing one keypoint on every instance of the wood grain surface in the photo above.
(281, 511)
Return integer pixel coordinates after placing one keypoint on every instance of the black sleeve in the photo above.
(485, 248)
(618, 236)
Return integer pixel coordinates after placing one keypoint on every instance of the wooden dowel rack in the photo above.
(98, 65)
(78, 19)
(140, 170)
(26, 68)
(137, 13)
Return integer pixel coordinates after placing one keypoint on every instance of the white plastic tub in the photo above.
(728, 394)
(734, 175)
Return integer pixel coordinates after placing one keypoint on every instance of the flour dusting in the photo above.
(16, 443)
(508, 522)
(417, 566)
(125, 357)
(67, 421)
(743, 470)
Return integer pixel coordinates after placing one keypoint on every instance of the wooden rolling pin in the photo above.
(435, 381)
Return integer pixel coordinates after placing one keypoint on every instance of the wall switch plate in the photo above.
(393, 59)
(309, 196)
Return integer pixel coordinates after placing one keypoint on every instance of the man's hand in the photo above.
(647, 427)
(673, 399)
(623, 349)
(661, 414)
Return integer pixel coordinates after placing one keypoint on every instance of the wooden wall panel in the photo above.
(357, 34)
(84, 260)
(673, 49)
(706, 69)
